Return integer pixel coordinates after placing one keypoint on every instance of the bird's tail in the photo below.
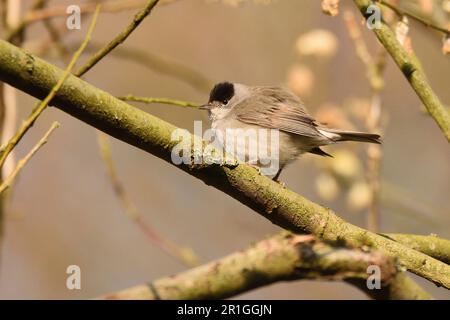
(338, 135)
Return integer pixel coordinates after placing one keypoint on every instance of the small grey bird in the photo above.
(237, 106)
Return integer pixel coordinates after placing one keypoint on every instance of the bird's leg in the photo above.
(277, 176)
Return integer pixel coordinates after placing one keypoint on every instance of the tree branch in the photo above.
(149, 100)
(430, 245)
(183, 254)
(280, 205)
(140, 16)
(28, 123)
(284, 257)
(17, 30)
(411, 71)
(22, 162)
(402, 13)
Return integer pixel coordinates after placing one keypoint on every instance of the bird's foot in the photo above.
(281, 183)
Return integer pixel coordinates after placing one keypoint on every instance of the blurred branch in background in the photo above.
(28, 123)
(164, 66)
(409, 205)
(280, 205)
(283, 257)
(37, 12)
(403, 13)
(186, 255)
(411, 70)
(15, 137)
(22, 162)
(101, 53)
(86, 8)
(15, 31)
(147, 59)
(431, 245)
(375, 69)
(151, 134)
(10, 16)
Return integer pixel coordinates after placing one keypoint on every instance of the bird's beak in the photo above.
(207, 106)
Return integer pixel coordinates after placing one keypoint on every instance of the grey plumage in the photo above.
(234, 106)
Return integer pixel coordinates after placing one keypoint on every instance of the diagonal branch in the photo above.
(284, 257)
(433, 246)
(242, 182)
(22, 162)
(17, 30)
(184, 254)
(100, 54)
(402, 13)
(411, 70)
(28, 123)
(149, 100)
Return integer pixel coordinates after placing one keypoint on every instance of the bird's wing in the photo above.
(276, 108)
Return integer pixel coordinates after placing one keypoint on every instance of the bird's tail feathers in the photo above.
(339, 135)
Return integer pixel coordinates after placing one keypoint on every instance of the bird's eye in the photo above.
(225, 101)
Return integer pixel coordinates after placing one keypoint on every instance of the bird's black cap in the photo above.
(222, 92)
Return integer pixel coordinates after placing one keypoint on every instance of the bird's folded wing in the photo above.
(276, 109)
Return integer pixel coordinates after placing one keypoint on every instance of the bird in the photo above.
(238, 106)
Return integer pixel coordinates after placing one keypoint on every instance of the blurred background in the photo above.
(63, 209)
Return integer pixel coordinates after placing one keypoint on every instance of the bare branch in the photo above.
(140, 16)
(284, 257)
(28, 123)
(186, 255)
(412, 71)
(403, 13)
(22, 162)
(148, 100)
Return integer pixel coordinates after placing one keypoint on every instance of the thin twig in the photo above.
(402, 13)
(28, 123)
(9, 111)
(162, 65)
(85, 8)
(22, 162)
(149, 100)
(140, 16)
(183, 254)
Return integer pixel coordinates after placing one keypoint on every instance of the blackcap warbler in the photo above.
(237, 106)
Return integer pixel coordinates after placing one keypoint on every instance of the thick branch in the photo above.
(411, 70)
(280, 205)
(430, 245)
(279, 258)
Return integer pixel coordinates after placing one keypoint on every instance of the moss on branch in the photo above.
(136, 127)
(430, 245)
(283, 257)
